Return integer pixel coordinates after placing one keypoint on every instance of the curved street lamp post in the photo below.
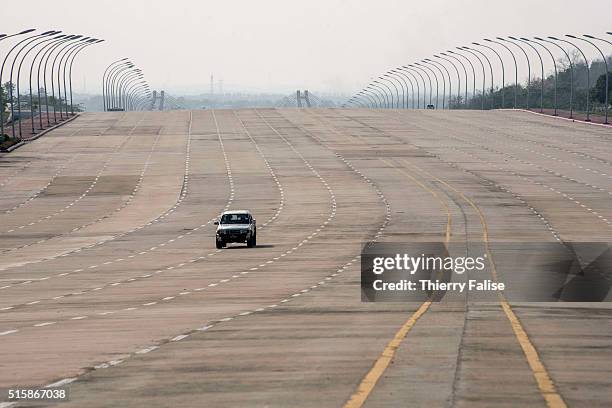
(607, 70)
(554, 65)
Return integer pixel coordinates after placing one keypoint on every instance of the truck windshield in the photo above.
(235, 219)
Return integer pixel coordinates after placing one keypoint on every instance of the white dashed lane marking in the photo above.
(243, 314)
(180, 199)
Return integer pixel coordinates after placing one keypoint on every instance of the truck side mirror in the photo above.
(216, 222)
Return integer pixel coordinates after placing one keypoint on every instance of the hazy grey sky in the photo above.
(281, 45)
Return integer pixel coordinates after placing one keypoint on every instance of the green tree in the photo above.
(3, 107)
(598, 93)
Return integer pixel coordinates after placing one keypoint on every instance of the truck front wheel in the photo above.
(251, 242)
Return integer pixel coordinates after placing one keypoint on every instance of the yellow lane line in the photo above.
(369, 381)
(545, 384)
(367, 384)
(449, 219)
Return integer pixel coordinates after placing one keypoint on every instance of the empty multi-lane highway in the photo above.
(111, 286)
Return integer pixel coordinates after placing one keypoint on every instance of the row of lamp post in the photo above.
(52, 56)
(124, 87)
(384, 91)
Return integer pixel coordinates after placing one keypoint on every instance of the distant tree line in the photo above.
(530, 94)
(3, 108)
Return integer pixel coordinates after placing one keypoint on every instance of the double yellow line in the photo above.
(545, 384)
(380, 365)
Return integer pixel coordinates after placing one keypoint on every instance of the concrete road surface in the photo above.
(111, 286)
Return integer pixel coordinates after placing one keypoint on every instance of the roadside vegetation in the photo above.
(529, 94)
(5, 141)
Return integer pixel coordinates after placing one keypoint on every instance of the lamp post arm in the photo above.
(542, 65)
(406, 73)
(66, 58)
(27, 41)
(428, 70)
(571, 64)
(528, 66)
(413, 71)
(450, 86)
(373, 101)
(428, 61)
(464, 71)
(402, 74)
(501, 61)
(47, 40)
(473, 73)
(396, 75)
(388, 79)
(552, 57)
(383, 95)
(113, 78)
(491, 71)
(515, 68)
(42, 52)
(586, 61)
(422, 71)
(607, 74)
(458, 79)
(126, 83)
(104, 80)
(70, 70)
(484, 76)
(367, 92)
(46, 57)
(361, 99)
(388, 89)
(60, 54)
